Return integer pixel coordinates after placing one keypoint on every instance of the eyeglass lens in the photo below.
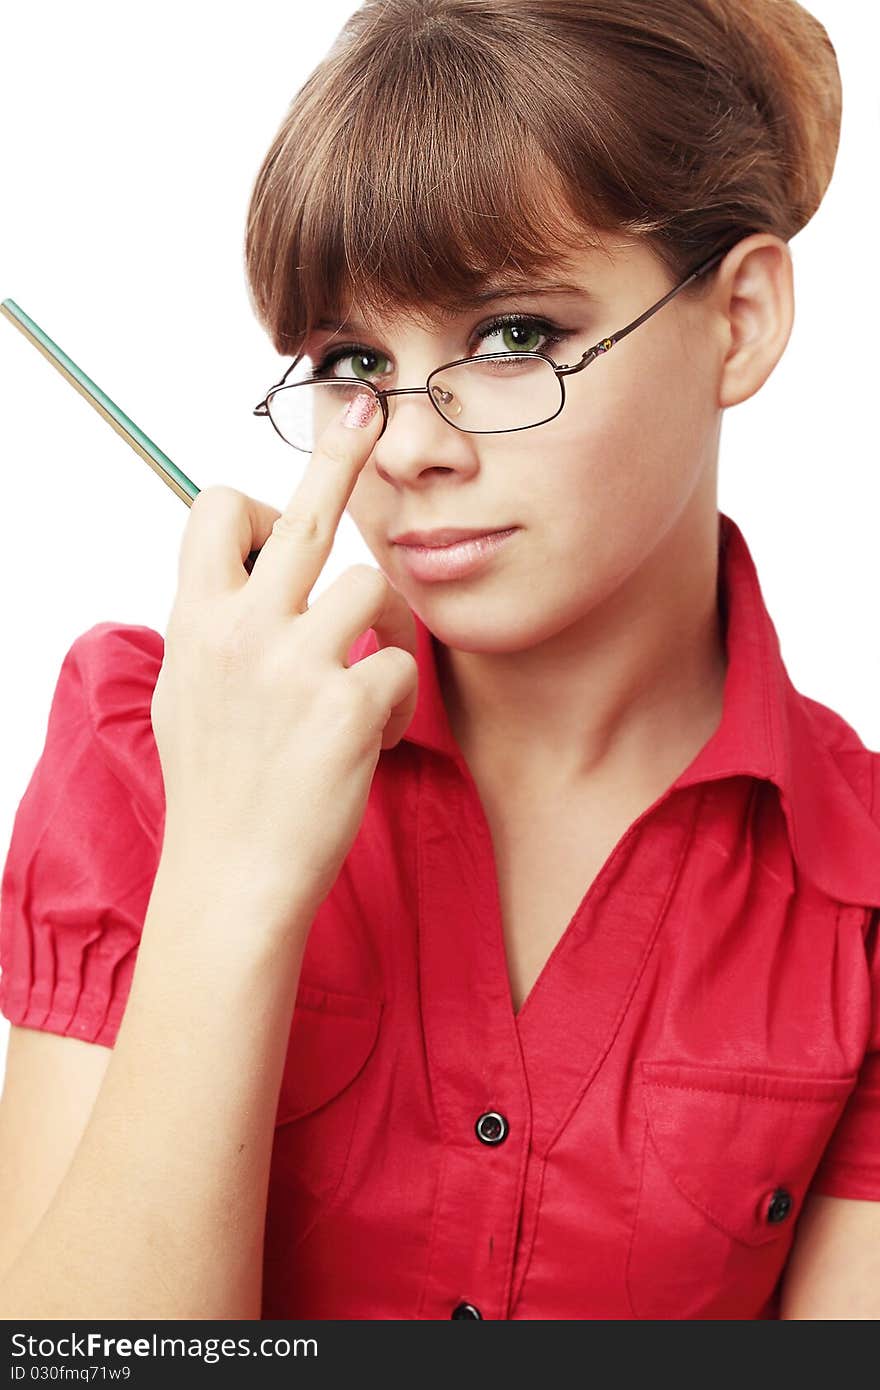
(481, 396)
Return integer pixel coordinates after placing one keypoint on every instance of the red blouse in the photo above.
(701, 1048)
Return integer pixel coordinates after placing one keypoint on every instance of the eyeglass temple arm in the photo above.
(606, 344)
(263, 407)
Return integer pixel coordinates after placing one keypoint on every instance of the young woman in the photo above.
(496, 937)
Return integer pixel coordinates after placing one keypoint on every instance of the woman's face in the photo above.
(591, 492)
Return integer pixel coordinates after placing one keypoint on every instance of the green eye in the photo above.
(518, 333)
(355, 361)
(516, 337)
(361, 364)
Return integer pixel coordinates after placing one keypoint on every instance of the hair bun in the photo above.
(797, 88)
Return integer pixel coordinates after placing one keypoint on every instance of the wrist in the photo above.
(205, 893)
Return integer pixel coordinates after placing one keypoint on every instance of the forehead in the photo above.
(484, 299)
(582, 276)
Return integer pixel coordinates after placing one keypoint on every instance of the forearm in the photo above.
(161, 1212)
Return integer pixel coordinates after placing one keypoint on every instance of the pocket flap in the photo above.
(331, 1037)
(729, 1139)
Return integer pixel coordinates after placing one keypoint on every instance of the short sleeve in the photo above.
(850, 1165)
(85, 842)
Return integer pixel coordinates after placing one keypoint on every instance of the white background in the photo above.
(131, 139)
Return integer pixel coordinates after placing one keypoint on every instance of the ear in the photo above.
(754, 296)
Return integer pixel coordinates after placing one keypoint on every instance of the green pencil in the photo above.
(161, 464)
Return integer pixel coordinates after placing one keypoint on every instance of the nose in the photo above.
(399, 391)
(415, 436)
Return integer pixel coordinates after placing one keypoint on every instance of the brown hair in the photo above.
(441, 140)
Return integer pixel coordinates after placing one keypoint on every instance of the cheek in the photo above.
(615, 475)
(647, 444)
(605, 458)
(365, 508)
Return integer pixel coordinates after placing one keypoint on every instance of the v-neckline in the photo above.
(547, 1053)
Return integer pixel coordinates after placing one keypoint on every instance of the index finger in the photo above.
(296, 549)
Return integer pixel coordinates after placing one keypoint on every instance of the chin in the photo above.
(476, 626)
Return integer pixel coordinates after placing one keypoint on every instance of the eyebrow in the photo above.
(488, 296)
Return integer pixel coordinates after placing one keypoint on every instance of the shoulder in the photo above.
(103, 698)
(85, 841)
(113, 660)
(857, 764)
(836, 733)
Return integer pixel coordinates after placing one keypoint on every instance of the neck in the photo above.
(631, 691)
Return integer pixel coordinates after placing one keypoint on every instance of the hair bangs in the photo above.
(444, 147)
(416, 198)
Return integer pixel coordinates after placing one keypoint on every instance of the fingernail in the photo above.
(359, 411)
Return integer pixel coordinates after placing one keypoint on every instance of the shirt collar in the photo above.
(768, 730)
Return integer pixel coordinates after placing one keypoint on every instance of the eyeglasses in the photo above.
(496, 393)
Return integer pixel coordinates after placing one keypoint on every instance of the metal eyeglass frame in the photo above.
(598, 349)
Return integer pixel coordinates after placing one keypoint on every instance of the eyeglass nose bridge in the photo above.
(405, 391)
(402, 391)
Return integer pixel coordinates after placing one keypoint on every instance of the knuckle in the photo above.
(216, 494)
(406, 661)
(367, 577)
(237, 646)
(224, 636)
(334, 450)
(339, 707)
(394, 666)
(351, 702)
(300, 524)
(229, 655)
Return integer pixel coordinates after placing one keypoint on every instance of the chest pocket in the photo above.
(728, 1157)
(332, 1036)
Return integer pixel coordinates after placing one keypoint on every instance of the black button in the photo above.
(466, 1310)
(491, 1128)
(780, 1205)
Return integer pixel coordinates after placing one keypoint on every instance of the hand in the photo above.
(267, 741)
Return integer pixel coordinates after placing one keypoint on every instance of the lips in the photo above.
(463, 559)
(445, 535)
